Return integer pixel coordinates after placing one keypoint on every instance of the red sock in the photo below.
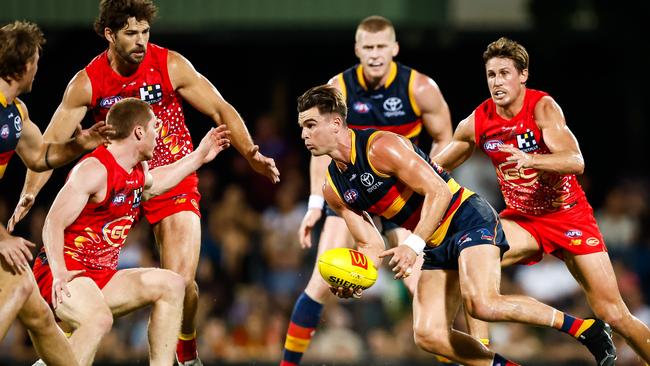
(186, 347)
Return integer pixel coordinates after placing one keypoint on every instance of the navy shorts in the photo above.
(386, 224)
(475, 223)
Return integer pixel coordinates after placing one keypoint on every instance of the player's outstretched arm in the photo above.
(317, 172)
(163, 178)
(434, 109)
(65, 120)
(87, 181)
(460, 148)
(202, 95)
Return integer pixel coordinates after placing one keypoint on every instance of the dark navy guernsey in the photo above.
(11, 126)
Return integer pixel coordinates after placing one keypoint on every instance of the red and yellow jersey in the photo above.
(97, 236)
(526, 190)
(11, 126)
(151, 84)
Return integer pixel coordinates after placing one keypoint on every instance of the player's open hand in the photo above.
(402, 261)
(522, 159)
(262, 164)
(16, 252)
(214, 142)
(60, 285)
(308, 222)
(346, 292)
(96, 135)
(22, 208)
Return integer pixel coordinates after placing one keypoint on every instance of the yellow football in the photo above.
(343, 267)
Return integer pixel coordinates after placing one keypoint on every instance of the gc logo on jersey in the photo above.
(151, 93)
(526, 141)
(393, 107)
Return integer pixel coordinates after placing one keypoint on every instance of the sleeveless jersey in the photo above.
(391, 107)
(526, 190)
(97, 236)
(11, 126)
(151, 84)
(363, 188)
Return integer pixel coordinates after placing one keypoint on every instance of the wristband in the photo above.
(416, 243)
(315, 201)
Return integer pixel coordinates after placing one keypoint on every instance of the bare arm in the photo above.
(66, 118)
(435, 112)
(15, 251)
(461, 146)
(165, 177)
(87, 181)
(202, 95)
(565, 156)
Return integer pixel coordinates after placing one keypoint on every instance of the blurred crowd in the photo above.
(252, 269)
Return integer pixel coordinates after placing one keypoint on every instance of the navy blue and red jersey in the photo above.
(11, 126)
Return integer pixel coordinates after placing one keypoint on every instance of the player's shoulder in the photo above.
(22, 108)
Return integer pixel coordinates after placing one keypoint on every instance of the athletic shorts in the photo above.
(573, 230)
(184, 197)
(475, 223)
(43, 275)
(386, 225)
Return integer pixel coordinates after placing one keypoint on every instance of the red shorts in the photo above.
(43, 276)
(184, 197)
(574, 230)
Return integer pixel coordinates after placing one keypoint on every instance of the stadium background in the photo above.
(591, 55)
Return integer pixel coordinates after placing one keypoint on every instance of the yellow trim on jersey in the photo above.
(397, 204)
(331, 182)
(3, 100)
(343, 88)
(416, 131)
(414, 104)
(3, 167)
(372, 137)
(353, 146)
(295, 344)
(392, 74)
(440, 233)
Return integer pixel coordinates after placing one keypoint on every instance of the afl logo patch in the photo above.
(4, 132)
(593, 241)
(109, 101)
(350, 195)
(492, 145)
(573, 233)
(119, 199)
(367, 179)
(361, 107)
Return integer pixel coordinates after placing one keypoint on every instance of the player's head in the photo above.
(125, 24)
(20, 47)
(134, 119)
(375, 46)
(506, 68)
(321, 115)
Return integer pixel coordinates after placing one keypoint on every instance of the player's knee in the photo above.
(431, 339)
(481, 307)
(614, 314)
(24, 287)
(175, 285)
(38, 319)
(101, 321)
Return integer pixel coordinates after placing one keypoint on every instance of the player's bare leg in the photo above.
(48, 339)
(595, 274)
(15, 289)
(435, 306)
(522, 244)
(179, 239)
(87, 313)
(480, 277)
(136, 288)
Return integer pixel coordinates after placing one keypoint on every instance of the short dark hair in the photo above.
(326, 98)
(114, 14)
(126, 114)
(507, 48)
(19, 43)
(375, 24)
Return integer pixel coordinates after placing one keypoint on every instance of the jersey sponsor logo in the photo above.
(361, 107)
(393, 107)
(353, 177)
(4, 131)
(526, 141)
(119, 199)
(377, 96)
(116, 231)
(592, 241)
(573, 233)
(137, 197)
(367, 179)
(492, 145)
(18, 125)
(350, 195)
(357, 259)
(109, 101)
(524, 177)
(575, 242)
(151, 93)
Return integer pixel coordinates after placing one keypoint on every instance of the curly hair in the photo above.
(326, 98)
(19, 43)
(507, 48)
(114, 14)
